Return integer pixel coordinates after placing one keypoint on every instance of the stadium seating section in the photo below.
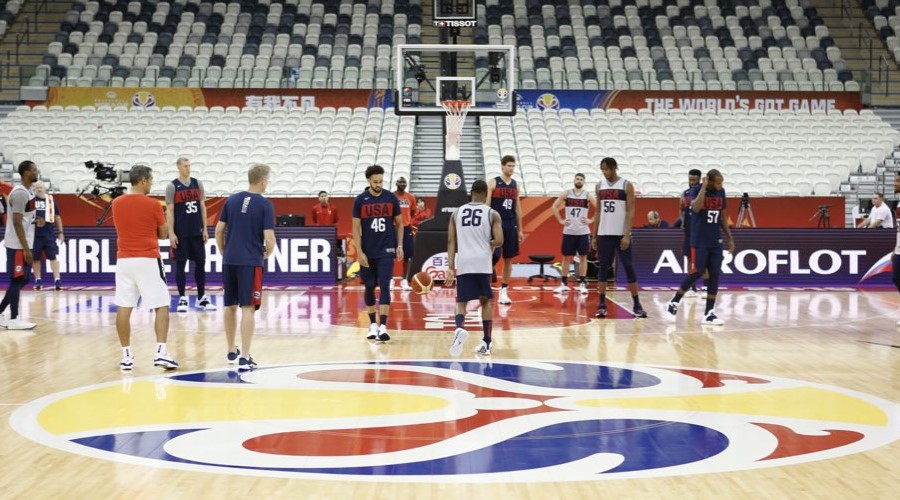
(8, 11)
(884, 15)
(309, 150)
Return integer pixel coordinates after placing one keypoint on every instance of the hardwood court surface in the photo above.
(807, 380)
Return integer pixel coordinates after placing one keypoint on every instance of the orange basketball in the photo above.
(421, 283)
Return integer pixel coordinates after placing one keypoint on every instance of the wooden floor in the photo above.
(795, 397)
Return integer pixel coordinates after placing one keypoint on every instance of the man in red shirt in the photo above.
(324, 214)
(140, 224)
(407, 211)
(422, 215)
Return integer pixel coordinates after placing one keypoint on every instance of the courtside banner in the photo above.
(153, 98)
(659, 101)
(303, 256)
(775, 257)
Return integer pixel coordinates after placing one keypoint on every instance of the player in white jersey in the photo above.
(576, 204)
(475, 231)
(612, 227)
(19, 240)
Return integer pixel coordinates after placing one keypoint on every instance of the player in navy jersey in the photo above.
(378, 236)
(48, 227)
(503, 197)
(708, 223)
(186, 214)
(689, 194)
(249, 219)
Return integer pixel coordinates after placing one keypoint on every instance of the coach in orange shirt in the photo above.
(407, 211)
(140, 224)
(324, 214)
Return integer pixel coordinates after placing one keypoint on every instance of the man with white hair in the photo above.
(48, 228)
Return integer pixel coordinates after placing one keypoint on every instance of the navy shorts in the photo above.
(190, 248)
(379, 272)
(473, 287)
(510, 246)
(706, 259)
(576, 244)
(243, 285)
(45, 248)
(16, 267)
(607, 249)
(409, 243)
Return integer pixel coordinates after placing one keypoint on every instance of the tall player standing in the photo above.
(686, 198)
(503, 197)
(613, 223)
(377, 235)
(19, 240)
(576, 240)
(186, 215)
(475, 230)
(48, 228)
(709, 222)
(408, 211)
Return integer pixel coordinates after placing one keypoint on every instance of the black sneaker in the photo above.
(601, 311)
(639, 312)
(246, 364)
(37, 284)
(672, 308)
(58, 285)
(232, 357)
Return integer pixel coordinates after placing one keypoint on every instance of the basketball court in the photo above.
(796, 394)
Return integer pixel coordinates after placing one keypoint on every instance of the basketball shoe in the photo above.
(373, 332)
(639, 312)
(204, 304)
(246, 364)
(127, 364)
(459, 338)
(484, 348)
(601, 311)
(561, 289)
(38, 284)
(504, 297)
(383, 334)
(232, 357)
(583, 289)
(164, 360)
(712, 319)
(182, 305)
(404, 285)
(19, 324)
(672, 308)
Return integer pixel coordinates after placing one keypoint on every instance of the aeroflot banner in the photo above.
(775, 257)
(702, 101)
(302, 256)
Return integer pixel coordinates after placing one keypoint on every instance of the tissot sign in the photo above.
(302, 256)
(775, 257)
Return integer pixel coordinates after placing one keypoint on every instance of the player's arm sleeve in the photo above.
(170, 194)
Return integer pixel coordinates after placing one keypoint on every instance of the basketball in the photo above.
(421, 283)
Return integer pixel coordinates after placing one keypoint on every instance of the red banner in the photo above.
(287, 98)
(716, 101)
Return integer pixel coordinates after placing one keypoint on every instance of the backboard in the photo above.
(425, 75)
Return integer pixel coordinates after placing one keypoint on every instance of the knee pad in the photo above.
(370, 296)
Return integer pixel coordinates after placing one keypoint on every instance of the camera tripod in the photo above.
(824, 218)
(745, 213)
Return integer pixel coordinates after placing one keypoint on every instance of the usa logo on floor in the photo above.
(471, 421)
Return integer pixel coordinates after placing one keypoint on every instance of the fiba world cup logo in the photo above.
(547, 101)
(452, 181)
(143, 99)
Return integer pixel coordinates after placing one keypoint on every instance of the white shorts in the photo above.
(144, 278)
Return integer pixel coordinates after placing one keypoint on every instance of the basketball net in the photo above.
(456, 118)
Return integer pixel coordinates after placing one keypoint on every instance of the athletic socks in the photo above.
(126, 352)
(460, 318)
(582, 279)
(678, 295)
(636, 300)
(371, 318)
(565, 281)
(161, 348)
(383, 319)
(504, 285)
(602, 299)
(488, 326)
(710, 304)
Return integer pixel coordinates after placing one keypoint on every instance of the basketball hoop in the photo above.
(456, 118)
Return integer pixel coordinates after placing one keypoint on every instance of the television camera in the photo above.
(108, 184)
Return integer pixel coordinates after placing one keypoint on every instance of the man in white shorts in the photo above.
(140, 223)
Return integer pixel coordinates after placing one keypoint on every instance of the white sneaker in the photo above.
(504, 296)
(4, 321)
(404, 285)
(703, 293)
(373, 332)
(459, 338)
(182, 305)
(561, 289)
(712, 319)
(127, 364)
(383, 334)
(19, 324)
(204, 304)
(583, 289)
(690, 294)
(165, 361)
(484, 348)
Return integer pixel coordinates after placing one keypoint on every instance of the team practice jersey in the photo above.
(707, 229)
(504, 198)
(686, 212)
(577, 207)
(246, 215)
(21, 201)
(46, 209)
(407, 205)
(376, 215)
(473, 239)
(611, 203)
(187, 199)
